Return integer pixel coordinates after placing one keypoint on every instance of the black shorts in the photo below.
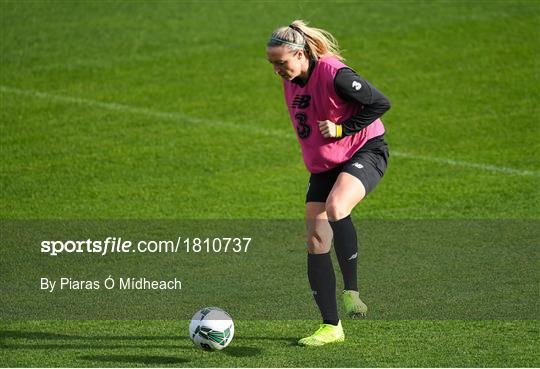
(368, 164)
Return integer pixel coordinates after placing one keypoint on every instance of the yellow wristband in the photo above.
(339, 130)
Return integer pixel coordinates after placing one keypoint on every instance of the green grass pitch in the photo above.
(169, 110)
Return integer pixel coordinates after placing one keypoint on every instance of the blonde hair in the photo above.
(315, 42)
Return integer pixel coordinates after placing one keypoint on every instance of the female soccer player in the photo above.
(336, 115)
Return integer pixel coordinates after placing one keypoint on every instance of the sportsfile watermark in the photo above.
(118, 245)
(257, 269)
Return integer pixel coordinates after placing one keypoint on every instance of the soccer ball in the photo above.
(211, 329)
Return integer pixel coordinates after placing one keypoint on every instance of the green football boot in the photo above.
(354, 307)
(326, 334)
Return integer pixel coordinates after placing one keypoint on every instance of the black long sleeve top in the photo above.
(351, 87)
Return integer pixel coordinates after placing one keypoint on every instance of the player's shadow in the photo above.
(135, 359)
(58, 336)
(75, 346)
(182, 343)
(57, 341)
(36, 335)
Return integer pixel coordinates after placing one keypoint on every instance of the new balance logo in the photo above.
(353, 256)
(356, 85)
(301, 101)
(358, 165)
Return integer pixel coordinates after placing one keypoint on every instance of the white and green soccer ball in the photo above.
(211, 329)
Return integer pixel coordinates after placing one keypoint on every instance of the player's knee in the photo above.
(335, 210)
(316, 245)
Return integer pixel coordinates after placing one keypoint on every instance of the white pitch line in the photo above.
(263, 131)
(135, 110)
(457, 163)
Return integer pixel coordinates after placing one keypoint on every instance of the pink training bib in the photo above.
(318, 101)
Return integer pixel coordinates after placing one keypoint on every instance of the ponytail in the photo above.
(315, 42)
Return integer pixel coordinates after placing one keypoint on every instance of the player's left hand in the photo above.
(327, 128)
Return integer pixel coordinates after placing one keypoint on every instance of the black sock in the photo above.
(323, 285)
(333, 322)
(345, 244)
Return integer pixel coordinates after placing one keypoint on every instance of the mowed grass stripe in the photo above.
(402, 343)
(175, 116)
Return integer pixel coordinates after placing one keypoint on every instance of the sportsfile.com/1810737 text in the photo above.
(118, 245)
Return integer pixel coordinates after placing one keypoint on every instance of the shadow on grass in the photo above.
(56, 341)
(46, 341)
(242, 351)
(56, 336)
(259, 338)
(79, 346)
(182, 343)
(139, 359)
(157, 360)
(52, 336)
(36, 335)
